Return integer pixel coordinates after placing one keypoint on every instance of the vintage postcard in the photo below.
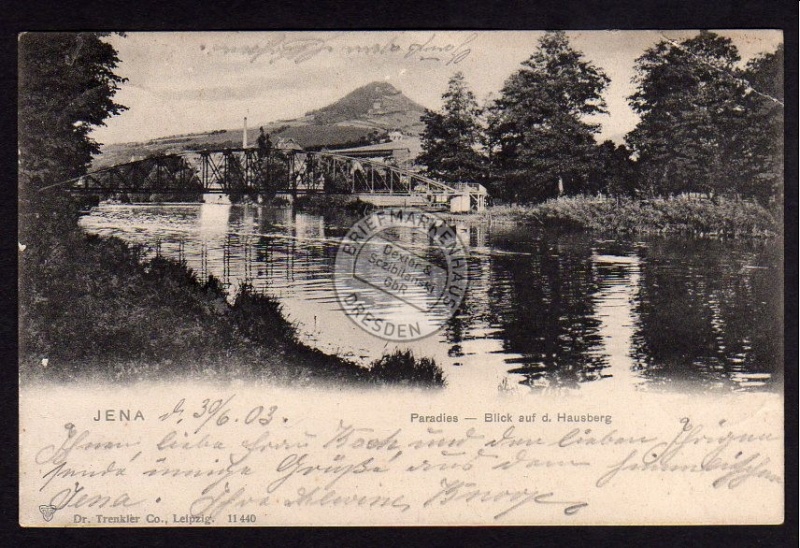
(401, 278)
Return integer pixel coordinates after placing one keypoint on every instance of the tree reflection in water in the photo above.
(710, 313)
(547, 311)
(666, 312)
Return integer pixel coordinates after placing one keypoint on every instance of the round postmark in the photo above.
(400, 273)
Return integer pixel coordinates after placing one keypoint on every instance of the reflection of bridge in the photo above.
(243, 172)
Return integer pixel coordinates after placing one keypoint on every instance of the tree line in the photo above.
(706, 126)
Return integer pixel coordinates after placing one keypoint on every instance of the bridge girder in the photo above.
(246, 172)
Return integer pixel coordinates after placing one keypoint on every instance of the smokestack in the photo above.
(244, 134)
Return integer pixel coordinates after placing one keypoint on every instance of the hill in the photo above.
(378, 103)
(363, 116)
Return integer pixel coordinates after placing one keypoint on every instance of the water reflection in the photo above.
(618, 288)
(714, 317)
(542, 302)
(543, 312)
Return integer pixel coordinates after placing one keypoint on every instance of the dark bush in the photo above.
(259, 318)
(359, 208)
(402, 367)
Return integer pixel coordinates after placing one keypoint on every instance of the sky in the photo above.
(185, 82)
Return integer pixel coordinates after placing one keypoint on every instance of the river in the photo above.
(544, 312)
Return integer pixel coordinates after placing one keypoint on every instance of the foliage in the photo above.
(402, 367)
(451, 138)
(66, 87)
(274, 173)
(702, 129)
(537, 130)
(94, 299)
(98, 311)
(90, 306)
(340, 210)
(259, 318)
(615, 172)
(358, 208)
(729, 217)
(763, 173)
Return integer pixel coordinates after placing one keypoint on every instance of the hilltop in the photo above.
(363, 116)
(379, 103)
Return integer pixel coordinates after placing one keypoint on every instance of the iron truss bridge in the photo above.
(243, 172)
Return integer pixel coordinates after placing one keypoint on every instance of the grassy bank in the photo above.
(90, 308)
(678, 215)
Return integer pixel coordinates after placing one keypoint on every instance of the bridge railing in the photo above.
(375, 176)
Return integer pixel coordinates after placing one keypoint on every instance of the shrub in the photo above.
(93, 309)
(259, 318)
(680, 215)
(402, 367)
(359, 208)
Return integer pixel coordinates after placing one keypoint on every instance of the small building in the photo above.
(288, 144)
(476, 194)
(460, 203)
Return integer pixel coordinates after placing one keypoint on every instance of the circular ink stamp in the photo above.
(400, 273)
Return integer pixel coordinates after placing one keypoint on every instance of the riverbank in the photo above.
(679, 215)
(91, 309)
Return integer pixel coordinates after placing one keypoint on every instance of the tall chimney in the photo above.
(244, 134)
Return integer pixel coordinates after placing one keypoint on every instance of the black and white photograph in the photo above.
(401, 277)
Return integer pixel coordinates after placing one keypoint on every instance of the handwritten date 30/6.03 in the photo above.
(223, 457)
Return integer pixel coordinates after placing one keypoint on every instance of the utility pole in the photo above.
(244, 134)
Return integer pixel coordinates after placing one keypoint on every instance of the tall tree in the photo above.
(451, 140)
(66, 86)
(541, 141)
(691, 102)
(763, 170)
